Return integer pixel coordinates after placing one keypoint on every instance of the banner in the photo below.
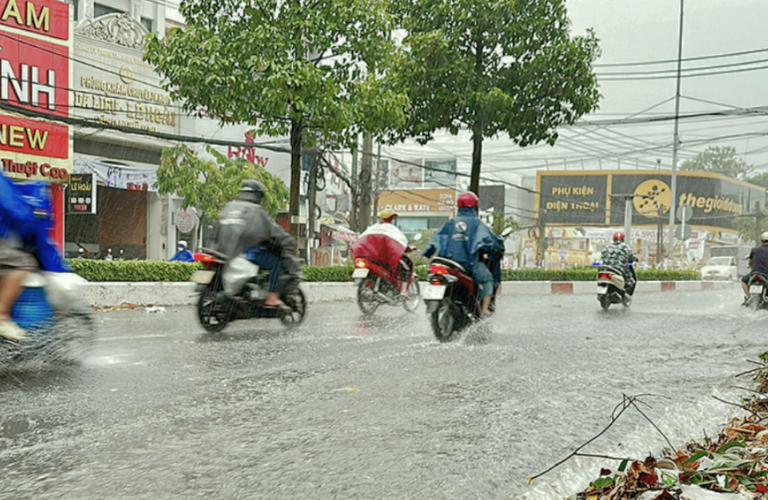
(116, 176)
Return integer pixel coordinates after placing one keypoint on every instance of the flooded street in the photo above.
(350, 408)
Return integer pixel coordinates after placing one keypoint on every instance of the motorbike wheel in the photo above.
(366, 297)
(627, 301)
(210, 314)
(414, 297)
(444, 321)
(605, 302)
(297, 301)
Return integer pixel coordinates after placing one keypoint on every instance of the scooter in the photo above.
(52, 313)
(375, 287)
(758, 290)
(235, 289)
(611, 287)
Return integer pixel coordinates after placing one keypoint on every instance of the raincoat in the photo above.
(462, 238)
(25, 210)
(382, 243)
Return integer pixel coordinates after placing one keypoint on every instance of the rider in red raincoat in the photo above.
(384, 243)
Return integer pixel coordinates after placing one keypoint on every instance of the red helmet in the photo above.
(618, 236)
(467, 200)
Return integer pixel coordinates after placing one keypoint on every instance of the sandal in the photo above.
(280, 304)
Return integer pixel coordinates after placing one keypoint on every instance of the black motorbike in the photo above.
(758, 290)
(235, 289)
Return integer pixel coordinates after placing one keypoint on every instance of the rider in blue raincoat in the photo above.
(25, 244)
(464, 239)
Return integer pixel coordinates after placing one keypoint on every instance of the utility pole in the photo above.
(542, 238)
(311, 199)
(758, 222)
(354, 191)
(675, 143)
(365, 182)
(376, 185)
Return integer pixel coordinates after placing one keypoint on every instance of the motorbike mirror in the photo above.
(506, 232)
(416, 237)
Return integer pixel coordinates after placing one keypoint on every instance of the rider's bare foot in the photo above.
(11, 330)
(273, 300)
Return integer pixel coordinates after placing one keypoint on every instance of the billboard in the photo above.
(35, 74)
(598, 197)
(440, 173)
(419, 201)
(406, 174)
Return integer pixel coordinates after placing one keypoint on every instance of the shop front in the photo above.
(578, 212)
(419, 209)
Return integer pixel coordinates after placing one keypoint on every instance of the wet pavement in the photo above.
(348, 408)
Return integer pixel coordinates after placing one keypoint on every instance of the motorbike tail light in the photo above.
(203, 257)
(606, 276)
(360, 263)
(438, 269)
(757, 279)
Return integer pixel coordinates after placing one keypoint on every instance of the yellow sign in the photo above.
(652, 197)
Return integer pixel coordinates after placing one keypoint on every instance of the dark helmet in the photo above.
(252, 191)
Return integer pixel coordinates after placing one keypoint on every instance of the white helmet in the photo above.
(182, 243)
(764, 237)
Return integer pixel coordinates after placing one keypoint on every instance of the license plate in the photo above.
(202, 277)
(756, 289)
(602, 290)
(433, 292)
(360, 273)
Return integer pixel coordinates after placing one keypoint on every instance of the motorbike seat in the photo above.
(449, 262)
(216, 254)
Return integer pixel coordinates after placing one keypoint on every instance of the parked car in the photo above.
(720, 268)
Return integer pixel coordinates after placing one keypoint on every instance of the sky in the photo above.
(633, 31)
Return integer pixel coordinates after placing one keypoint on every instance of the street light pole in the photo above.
(676, 140)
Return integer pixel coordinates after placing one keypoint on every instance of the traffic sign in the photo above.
(686, 232)
(684, 213)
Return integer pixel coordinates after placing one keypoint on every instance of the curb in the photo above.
(127, 294)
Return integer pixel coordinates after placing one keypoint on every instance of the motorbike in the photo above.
(52, 313)
(758, 290)
(375, 286)
(451, 296)
(611, 287)
(233, 289)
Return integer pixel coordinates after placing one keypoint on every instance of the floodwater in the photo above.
(348, 408)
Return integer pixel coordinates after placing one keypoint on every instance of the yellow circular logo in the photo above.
(653, 198)
(126, 75)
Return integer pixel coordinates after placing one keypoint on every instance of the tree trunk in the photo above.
(365, 183)
(477, 156)
(295, 210)
(354, 192)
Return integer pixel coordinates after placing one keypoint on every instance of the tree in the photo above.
(494, 66)
(499, 222)
(208, 185)
(284, 67)
(720, 160)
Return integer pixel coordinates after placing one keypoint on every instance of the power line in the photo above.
(669, 61)
(712, 73)
(698, 68)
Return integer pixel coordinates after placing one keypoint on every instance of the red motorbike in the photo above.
(376, 285)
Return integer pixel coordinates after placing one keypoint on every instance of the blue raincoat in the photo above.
(463, 238)
(25, 210)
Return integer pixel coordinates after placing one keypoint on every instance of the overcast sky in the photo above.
(634, 31)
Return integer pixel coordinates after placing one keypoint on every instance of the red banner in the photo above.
(19, 135)
(44, 17)
(34, 74)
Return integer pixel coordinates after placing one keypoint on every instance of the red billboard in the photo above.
(34, 74)
(43, 17)
(19, 135)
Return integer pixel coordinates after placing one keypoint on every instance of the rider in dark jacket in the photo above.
(243, 227)
(464, 239)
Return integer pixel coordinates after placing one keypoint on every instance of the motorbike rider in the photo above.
(758, 262)
(24, 244)
(245, 227)
(620, 255)
(183, 254)
(464, 239)
(385, 242)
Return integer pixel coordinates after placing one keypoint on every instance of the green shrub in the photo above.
(154, 270)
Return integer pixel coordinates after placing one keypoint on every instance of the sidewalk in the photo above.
(115, 294)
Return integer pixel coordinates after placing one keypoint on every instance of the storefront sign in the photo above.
(113, 85)
(20, 135)
(81, 194)
(419, 201)
(43, 17)
(598, 197)
(115, 176)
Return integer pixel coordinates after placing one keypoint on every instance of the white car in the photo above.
(720, 268)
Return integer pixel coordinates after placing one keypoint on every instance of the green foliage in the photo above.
(720, 160)
(590, 274)
(211, 184)
(331, 273)
(133, 270)
(494, 66)
(499, 223)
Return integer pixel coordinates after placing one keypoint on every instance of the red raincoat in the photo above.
(383, 243)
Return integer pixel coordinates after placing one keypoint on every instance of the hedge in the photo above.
(154, 270)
